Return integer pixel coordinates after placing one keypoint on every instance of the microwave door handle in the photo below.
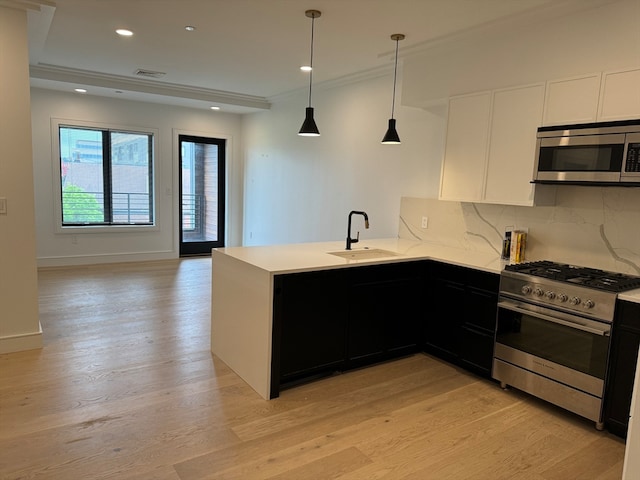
(603, 332)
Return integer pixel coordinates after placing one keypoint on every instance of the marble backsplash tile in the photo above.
(597, 227)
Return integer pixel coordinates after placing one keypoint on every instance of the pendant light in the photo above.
(309, 127)
(391, 137)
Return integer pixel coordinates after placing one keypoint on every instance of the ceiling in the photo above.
(244, 54)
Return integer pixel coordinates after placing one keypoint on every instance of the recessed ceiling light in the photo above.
(214, 108)
(305, 68)
(189, 28)
(81, 90)
(124, 32)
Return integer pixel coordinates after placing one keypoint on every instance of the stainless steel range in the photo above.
(553, 332)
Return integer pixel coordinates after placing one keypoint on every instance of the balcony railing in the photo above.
(193, 209)
(81, 208)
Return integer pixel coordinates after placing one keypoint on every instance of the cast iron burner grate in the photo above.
(585, 276)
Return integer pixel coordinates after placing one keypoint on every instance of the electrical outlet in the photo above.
(425, 222)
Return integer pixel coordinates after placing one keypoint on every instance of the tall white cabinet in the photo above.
(516, 116)
(463, 170)
(490, 146)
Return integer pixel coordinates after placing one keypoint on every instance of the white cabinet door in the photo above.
(463, 167)
(572, 100)
(515, 118)
(620, 95)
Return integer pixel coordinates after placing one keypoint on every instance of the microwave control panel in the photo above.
(632, 155)
(632, 163)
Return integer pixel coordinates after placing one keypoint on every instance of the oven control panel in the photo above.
(575, 299)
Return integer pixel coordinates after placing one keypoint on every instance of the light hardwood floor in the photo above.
(126, 388)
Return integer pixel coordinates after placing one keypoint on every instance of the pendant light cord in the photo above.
(313, 21)
(395, 71)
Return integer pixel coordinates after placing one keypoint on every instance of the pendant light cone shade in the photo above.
(392, 137)
(309, 127)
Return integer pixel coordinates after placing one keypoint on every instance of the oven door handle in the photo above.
(603, 332)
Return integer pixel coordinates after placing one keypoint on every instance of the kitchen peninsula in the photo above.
(246, 285)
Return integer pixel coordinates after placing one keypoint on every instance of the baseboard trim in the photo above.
(105, 258)
(19, 343)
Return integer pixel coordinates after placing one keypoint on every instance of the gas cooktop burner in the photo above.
(587, 277)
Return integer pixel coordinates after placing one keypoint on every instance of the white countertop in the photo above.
(300, 257)
(630, 296)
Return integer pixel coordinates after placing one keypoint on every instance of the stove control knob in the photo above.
(575, 301)
(550, 295)
(589, 304)
(538, 292)
(562, 297)
(526, 289)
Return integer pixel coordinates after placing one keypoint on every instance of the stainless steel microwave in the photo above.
(606, 153)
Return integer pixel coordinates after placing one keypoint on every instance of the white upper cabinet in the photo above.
(490, 146)
(620, 95)
(597, 97)
(572, 100)
(516, 116)
(463, 168)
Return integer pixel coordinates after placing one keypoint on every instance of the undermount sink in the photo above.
(364, 254)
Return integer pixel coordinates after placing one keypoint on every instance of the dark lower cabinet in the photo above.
(333, 320)
(461, 325)
(625, 340)
(382, 311)
(309, 326)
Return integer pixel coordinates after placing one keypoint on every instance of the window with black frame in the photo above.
(106, 176)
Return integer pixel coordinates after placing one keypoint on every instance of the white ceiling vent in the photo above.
(149, 73)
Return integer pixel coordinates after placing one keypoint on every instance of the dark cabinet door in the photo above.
(447, 311)
(483, 290)
(622, 367)
(460, 327)
(382, 322)
(309, 324)
(476, 352)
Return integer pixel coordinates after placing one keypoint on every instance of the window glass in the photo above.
(106, 177)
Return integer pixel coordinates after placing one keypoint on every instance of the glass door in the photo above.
(202, 194)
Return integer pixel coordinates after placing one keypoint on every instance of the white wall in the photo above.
(598, 39)
(19, 324)
(285, 188)
(301, 189)
(55, 248)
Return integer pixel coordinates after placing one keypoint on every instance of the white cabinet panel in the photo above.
(490, 148)
(572, 100)
(463, 168)
(620, 95)
(516, 116)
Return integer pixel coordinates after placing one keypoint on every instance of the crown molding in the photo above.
(116, 82)
(27, 4)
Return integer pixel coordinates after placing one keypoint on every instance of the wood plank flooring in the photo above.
(126, 388)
